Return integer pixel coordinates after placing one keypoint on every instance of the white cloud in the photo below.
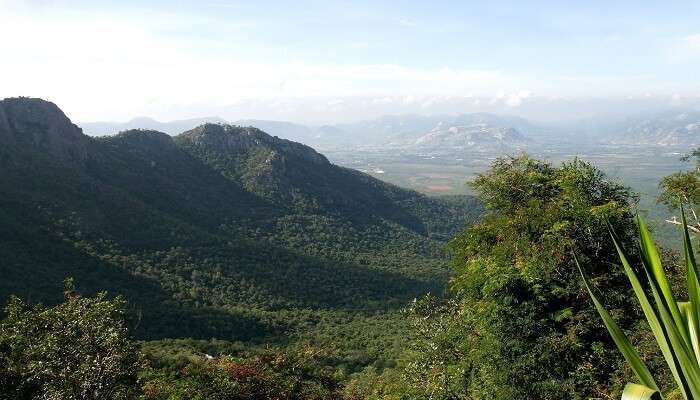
(684, 49)
(110, 66)
(516, 99)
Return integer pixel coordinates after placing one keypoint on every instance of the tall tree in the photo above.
(520, 325)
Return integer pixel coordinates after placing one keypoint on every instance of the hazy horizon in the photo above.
(321, 111)
(103, 61)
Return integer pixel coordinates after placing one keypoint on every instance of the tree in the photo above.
(79, 349)
(682, 186)
(520, 324)
(683, 189)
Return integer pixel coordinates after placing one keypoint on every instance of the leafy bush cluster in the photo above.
(79, 349)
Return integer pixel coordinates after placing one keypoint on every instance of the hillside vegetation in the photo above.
(221, 232)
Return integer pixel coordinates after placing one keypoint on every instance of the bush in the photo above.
(79, 349)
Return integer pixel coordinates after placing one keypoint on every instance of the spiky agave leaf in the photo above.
(675, 324)
(650, 312)
(676, 332)
(623, 344)
(692, 310)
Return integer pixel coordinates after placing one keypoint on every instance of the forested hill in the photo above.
(222, 231)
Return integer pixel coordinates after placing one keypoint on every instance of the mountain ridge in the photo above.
(385, 130)
(228, 249)
(41, 124)
(104, 128)
(673, 128)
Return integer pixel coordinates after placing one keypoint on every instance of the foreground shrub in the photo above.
(79, 349)
(273, 375)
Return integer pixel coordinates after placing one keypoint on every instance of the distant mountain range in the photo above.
(480, 137)
(283, 129)
(668, 129)
(473, 131)
(171, 128)
(470, 132)
(466, 132)
(221, 231)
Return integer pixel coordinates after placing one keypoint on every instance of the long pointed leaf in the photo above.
(688, 313)
(650, 313)
(689, 370)
(651, 259)
(693, 311)
(623, 344)
(672, 323)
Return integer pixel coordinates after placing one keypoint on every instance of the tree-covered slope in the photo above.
(301, 181)
(221, 232)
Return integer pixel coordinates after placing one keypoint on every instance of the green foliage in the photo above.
(682, 187)
(253, 252)
(207, 239)
(674, 324)
(518, 326)
(440, 356)
(76, 350)
(268, 376)
(372, 384)
(81, 350)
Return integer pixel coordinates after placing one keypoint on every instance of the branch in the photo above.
(690, 227)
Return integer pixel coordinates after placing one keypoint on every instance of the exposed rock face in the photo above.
(41, 124)
(479, 136)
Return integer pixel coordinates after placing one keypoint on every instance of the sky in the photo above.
(340, 60)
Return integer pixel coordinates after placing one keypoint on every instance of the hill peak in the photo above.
(36, 122)
(145, 136)
(236, 139)
(147, 142)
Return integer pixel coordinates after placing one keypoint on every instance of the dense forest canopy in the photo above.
(518, 293)
(239, 265)
(222, 232)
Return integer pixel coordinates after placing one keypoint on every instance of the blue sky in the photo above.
(112, 60)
